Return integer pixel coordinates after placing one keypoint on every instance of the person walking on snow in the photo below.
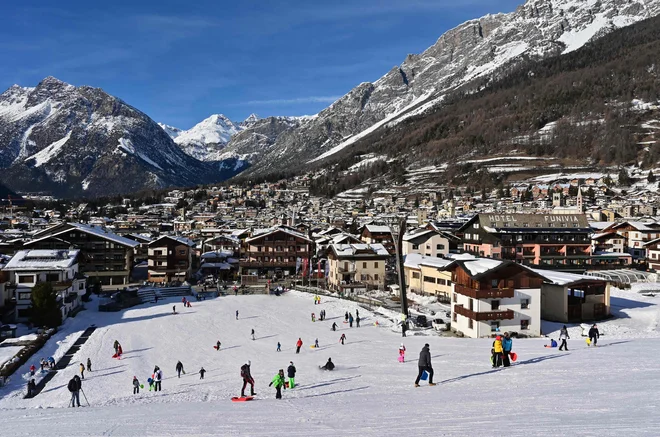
(74, 387)
(357, 321)
(247, 379)
(350, 320)
(402, 352)
(507, 345)
(278, 382)
(497, 352)
(563, 336)
(136, 385)
(82, 371)
(316, 343)
(299, 344)
(342, 338)
(202, 371)
(179, 368)
(158, 378)
(424, 364)
(173, 309)
(253, 334)
(217, 345)
(31, 388)
(236, 314)
(357, 312)
(334, 326)
(594, 335)
(291, 373)
(313, 318)
(279, 347)
(89, 365)
(346, 316)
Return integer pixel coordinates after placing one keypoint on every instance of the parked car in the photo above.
(440, 325)
(421, 321)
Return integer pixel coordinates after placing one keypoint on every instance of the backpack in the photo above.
(244, 371)
(72, 385)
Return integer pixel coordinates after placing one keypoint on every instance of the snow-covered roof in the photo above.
(42, 259)
(92, 230)
(563, 278)
(481, 265)
(418, 233)
(378, 229)
(600, 225)
(260, 233)
(358, 250)
(415, 261)
(181, 240)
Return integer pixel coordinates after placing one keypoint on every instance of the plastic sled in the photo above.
(588, 341)
(286, 384)
(345, 321)
(312, 347)
(513, 356)
(425, 376)
(401, 358)
(141, 385)
(215, 347)
(242, 399)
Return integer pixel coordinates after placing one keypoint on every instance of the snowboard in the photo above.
(242, 399)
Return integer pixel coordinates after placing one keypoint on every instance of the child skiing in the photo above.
(201, 373)
(291, 373)
(342, 338)
(136, 386)
(402, 353)
(278, 381)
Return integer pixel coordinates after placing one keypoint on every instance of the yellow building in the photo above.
(356, 267)
(424, 275)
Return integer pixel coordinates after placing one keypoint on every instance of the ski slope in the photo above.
(611, 390)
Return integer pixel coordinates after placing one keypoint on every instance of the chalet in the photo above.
(492, 296)
(170, 259)
(273, 251)
(555, 241)
(637, 234)
(357, 267)
(59, 267)
(103, 255)
(609, 249)
(653, 254)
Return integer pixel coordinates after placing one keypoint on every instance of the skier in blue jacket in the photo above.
(507, 345)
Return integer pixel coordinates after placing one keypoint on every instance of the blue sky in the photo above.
(182, 61)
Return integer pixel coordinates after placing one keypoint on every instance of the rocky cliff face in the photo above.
(73, 141)
(474, 50)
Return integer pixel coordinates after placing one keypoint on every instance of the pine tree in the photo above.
(651, 177)
(624, 179)
(45, 309)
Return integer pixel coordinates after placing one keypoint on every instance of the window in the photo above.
(441, 281)
(364, 265)
(429, 279)
(476, 226)
(52, 277)
(493, 283)
(158, 253)
(415, 275)
(454, 317)
(494, 326)
(415, 246)
(455, 297)
(266, 258)
(440, 247)
(24, 296)
(376, 265)
(428, 246)
(524, 325)
(524, 304)
(471, 306)
(470, 324)
(81, 286)
(376, 277)
(182, 252)
(468, 236)
(25, 279)
(495, 305)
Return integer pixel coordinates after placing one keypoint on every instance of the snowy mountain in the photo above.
(71, 141)
(172, 131)
(205, 140)
(476, 50)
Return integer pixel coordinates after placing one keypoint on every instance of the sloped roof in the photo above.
(415, 261)
(359, 250)
(42, 259)
(180, 240)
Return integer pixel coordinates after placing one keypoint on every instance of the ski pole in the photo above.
(85, 397)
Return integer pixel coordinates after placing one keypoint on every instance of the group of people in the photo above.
(321, 316)
(82, 368)
(348, 318)
(185, 302)
(501, 351)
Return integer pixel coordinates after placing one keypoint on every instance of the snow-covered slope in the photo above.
(476, 49)
(611, 390)
(73, 141)
(205, 140)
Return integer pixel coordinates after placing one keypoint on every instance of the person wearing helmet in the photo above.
(247, 379)
(402, 353)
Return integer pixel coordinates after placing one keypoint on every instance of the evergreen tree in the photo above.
(45, 309)
(624, 179)
(651, 177)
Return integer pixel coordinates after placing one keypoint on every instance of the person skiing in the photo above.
(158, 378)
(402, 352)
(236, 314)
(350, 320)
(563, 336)
(316, 343)
(342, 338)
(594, 335)
(299, 344)
(497, 352)
(31, 388)
(357, 321)
(179, 368)
(507, 345)
(279, 347)
(74, 387)
(202, 371)
(217, 345)
(82, 370)
(278, 381)
(136, 385)
(334, 326)
(424, 364)
(89, 365)
(247, 379)
(291, 373)
(42, 363)
(328, 366)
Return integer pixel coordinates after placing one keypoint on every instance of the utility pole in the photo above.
(402, 277)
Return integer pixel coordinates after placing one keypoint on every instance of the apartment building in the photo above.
(275, 251)
(170, 259)
(357, 267)
(425, 275)
(426, 242)
(376, 234)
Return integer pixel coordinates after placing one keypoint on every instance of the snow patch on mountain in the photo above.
(49, 152)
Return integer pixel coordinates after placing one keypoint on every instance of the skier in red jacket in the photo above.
(298, 345)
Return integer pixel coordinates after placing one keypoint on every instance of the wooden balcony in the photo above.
(483, 316)
(493, 293)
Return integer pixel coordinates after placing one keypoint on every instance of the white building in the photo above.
(426, 242)
(59, 267)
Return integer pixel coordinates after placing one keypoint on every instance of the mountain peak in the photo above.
(50, 80)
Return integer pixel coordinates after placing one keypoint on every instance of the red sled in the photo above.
(242, 399)
(215, 347)
(118, 356)
(514, 356)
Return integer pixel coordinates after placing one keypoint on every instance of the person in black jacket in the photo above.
(247, 379)
(291, 373)
(179, 369)
(424, 364)
(136, 385)
(594, 335)
(31, 388)
(329, 365)
(74, 387)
